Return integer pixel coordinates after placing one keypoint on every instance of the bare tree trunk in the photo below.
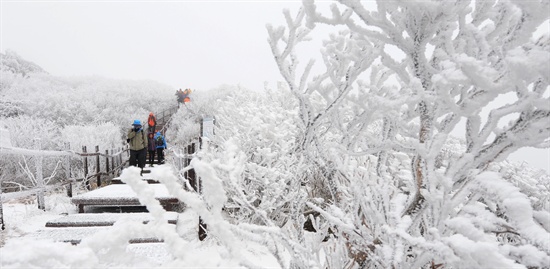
(39, 178)
(419, 169)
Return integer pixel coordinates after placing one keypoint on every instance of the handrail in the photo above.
(34, 190)
(54, 153)
(161, 120)
(113, 162)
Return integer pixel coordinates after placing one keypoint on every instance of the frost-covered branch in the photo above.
(401, 78)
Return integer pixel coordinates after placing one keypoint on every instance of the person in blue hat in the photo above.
(160, 142)
(138, 144)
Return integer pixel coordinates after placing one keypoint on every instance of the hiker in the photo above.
(179, 94)
(151, 148)
(138, 145)
(160, 143)
(152, 122)
(186, 98)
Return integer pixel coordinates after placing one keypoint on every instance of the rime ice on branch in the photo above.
(460, 59)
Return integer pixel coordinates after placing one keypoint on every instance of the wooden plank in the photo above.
(75, 235)
(120, 192)
(106, 219)
(118, 180)
(121, 195)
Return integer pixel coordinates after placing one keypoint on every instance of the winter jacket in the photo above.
(152, 120)
(151, 146)
(137, 140)
(163, 140)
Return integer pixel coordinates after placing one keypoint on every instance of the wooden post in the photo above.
(1, 210)
(88, 187)
(107, 161)
(113, 162)
(116, 157)
(198, 188)
(68, 171)
(185, 162)
(191, 173)
(202, 229)
(39, 178)
(207, 130)
(97, 168)
(120, 160)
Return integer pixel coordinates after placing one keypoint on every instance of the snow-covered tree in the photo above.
(401, 79)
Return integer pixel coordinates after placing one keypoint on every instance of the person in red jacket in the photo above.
(152, 122)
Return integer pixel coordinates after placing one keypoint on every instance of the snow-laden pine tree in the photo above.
(402, 79)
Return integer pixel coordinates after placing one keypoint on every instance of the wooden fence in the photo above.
(182, 158)
(107, 163)
(113, 164)
(164, 118)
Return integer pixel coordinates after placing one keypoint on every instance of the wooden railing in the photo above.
(114, 161)
(182, 159)
(164, 118)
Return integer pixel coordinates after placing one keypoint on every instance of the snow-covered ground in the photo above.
(27, 243)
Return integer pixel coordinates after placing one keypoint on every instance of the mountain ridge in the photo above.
(12, 62)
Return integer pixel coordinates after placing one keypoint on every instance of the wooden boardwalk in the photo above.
(119, 198)
(101, 209)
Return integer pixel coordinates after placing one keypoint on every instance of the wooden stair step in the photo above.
(75, 235)
(117, 180)
(121, 195)
(105, 219)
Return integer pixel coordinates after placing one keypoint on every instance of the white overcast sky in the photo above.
(195, 44)
(185, 44)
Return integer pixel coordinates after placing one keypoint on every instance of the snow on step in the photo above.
(120, 195)
(106, 219)
(153, 252)
(75, 235)
(118, 180)
(70, 235)
(145, 176)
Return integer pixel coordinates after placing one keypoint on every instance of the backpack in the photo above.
(159, 141)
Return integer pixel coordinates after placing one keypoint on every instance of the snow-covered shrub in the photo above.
(262, 131)
(35, 133)
(535, 183)
(75, 100)
(398, 80)
(185, 125)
